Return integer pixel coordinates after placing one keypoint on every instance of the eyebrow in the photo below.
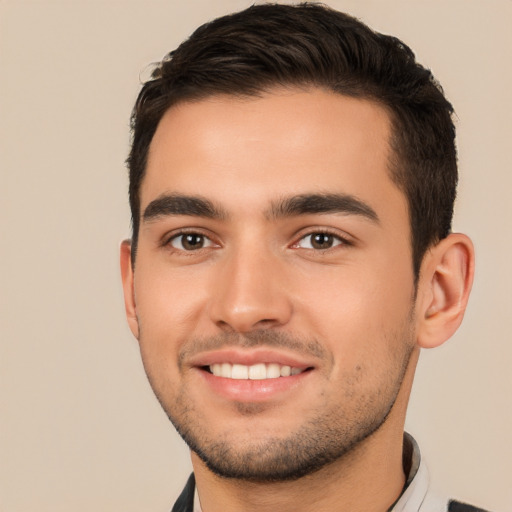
(305, 204)
(178, 204)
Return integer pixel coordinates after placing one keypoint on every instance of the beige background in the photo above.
(80, 429)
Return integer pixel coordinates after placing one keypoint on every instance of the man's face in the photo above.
(274, 251)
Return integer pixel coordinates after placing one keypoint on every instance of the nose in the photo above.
(250, 293)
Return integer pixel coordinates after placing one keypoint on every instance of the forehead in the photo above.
(282, 143)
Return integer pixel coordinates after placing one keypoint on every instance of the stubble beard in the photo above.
(327, 436)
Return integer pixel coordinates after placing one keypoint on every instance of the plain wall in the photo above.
(80, 429)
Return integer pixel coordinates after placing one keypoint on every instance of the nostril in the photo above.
(244, 310)
(245, 325)
(266, 322)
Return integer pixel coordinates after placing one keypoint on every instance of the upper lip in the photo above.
(249, 358)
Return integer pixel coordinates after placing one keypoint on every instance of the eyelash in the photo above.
(182, 234)
(342, 241)
(338, 240)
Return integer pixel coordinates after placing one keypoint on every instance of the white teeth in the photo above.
(239, 371)
(225, 370)
(285, 371)
(258, 371)
(273, 371)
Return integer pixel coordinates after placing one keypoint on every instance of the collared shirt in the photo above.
(417, 495)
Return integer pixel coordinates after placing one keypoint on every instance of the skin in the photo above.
(254, 287)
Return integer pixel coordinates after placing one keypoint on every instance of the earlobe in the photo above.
(443, 291)
(128, 288)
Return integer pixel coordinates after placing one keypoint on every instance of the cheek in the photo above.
(167, 302)
(360, 312)
(159, 310)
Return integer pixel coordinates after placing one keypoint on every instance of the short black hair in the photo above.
(311, 45)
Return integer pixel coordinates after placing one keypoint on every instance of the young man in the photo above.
(292, 179)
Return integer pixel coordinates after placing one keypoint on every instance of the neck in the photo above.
(370, 478)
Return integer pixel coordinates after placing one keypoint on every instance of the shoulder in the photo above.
(185, 502)
(458, 506)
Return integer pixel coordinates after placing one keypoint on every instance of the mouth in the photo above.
(252, 376)
(259, 371)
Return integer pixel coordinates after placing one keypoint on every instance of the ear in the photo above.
(128, 289)
(445, 281)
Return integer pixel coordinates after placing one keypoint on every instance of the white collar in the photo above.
(416, 496)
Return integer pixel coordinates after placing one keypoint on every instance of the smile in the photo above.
(258, 371)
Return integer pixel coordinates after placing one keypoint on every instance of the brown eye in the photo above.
(190, 242)
(319, 241)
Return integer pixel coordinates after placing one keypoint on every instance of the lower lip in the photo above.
(246, 390)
